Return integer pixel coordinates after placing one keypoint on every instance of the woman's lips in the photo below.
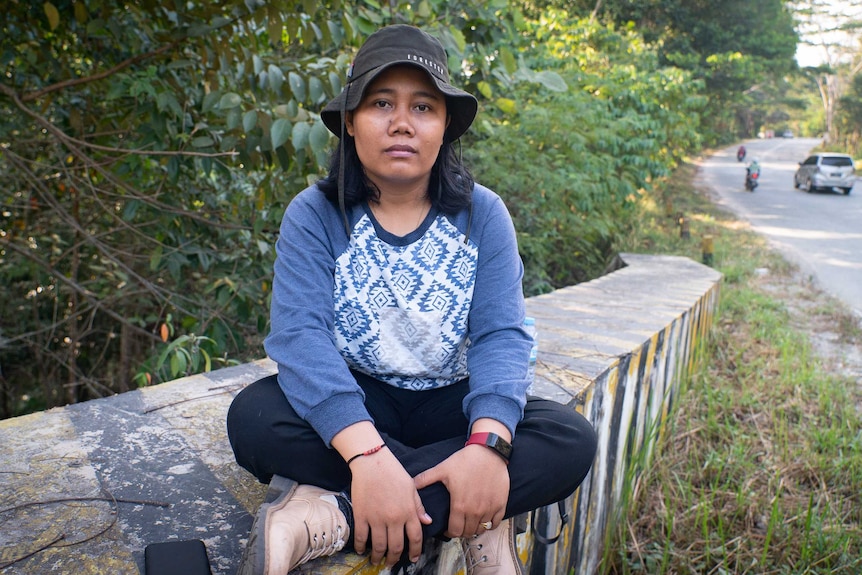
(401, 151)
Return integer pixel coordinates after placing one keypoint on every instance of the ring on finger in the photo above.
(487, 525)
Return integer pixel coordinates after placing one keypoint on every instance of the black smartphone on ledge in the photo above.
(177, 558)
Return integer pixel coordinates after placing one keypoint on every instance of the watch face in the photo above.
(500, 444)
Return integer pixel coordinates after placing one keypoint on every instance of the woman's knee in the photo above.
(252, 409)
(254, 396)
(568, 433)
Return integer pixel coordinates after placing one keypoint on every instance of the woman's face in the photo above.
(398, 128)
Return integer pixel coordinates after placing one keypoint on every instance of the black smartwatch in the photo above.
(493, 441)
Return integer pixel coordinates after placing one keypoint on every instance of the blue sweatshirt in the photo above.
(419, 311)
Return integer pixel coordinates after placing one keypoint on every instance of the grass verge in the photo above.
(761, 471)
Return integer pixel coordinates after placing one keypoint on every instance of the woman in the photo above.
(399, 410)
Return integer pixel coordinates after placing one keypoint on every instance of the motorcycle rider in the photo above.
(753, 168)
(740, 153)
(752, 171)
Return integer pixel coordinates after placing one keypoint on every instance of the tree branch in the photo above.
(19, 101)
(90, 296)
(74, 146)
(30, 96)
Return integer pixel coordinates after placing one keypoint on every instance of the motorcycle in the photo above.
(751, 181)
(740, 154)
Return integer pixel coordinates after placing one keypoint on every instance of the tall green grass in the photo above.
(762, 470)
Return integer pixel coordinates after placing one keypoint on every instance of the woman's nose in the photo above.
(399, 122)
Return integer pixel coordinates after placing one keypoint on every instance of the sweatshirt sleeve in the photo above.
(311, 373)
(500, 347)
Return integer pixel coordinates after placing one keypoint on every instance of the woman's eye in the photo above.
(423, 107)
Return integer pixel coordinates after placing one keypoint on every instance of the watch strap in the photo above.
(492, 441)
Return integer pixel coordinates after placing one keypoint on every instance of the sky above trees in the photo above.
(829, 30)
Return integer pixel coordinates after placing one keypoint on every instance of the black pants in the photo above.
(553, 447)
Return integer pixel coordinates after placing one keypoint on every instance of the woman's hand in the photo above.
(478, 483)
(386, 506)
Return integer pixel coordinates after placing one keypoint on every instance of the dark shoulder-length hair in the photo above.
(450, 188)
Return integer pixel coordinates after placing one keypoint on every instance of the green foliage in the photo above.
(146, 178)
(185, 355)
(148, 150)
(741, 49)
(759, 468)
(833, 31)
(569, 163)
(849, 123)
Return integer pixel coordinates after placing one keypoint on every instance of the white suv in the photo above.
(826, 171)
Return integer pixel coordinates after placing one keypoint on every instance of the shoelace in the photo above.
(473, 551)
(321, 546)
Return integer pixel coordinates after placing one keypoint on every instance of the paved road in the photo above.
(821, 232)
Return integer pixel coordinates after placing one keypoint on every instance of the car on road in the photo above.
(826, 171)
(787, 134)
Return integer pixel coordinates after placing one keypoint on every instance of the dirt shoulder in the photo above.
(832, 328)
(834, 332)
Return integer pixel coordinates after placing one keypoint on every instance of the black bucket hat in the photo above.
(401, 44)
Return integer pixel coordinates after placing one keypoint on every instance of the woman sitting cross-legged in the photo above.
(399, 411)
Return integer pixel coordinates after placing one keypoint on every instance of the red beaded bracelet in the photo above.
(371, 451)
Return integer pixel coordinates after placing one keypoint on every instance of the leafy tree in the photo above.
(148, 151)
(126, 128)
(837, 32)
(850, 118)
(146, 155)
(570, 161)
(740, 49)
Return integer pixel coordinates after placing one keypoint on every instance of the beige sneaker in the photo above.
(493, 552)
(296, 524)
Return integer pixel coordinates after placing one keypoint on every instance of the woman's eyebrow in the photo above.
(417, 93)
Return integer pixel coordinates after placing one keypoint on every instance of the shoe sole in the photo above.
(253, 562)
(513, 546)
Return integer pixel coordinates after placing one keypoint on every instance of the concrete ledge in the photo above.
(154, 464)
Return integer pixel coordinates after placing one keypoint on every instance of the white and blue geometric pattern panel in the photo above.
(401, 311)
